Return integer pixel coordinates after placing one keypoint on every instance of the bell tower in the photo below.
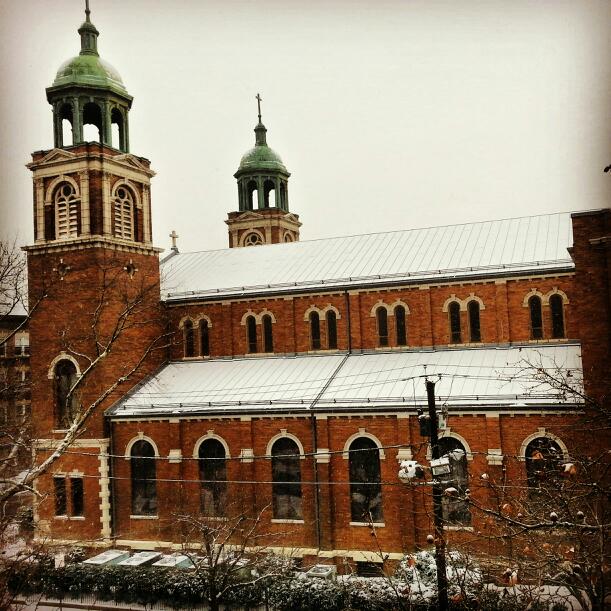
(93, 281)
(263, 216)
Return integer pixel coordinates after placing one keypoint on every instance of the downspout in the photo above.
(113, 492)
(349, 321)
(315, 449)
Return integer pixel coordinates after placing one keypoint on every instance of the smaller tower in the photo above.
(263, 216)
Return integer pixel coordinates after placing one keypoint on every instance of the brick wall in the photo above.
(504, 317)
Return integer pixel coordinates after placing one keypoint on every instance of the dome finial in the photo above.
(260, 131)
(89, 34)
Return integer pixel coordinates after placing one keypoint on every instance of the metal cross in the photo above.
(174, 236)
(259, 100)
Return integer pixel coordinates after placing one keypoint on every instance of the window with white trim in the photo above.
(124, 213)
(66, 211)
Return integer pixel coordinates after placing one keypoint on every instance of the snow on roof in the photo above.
(470, 377)
(487, 248)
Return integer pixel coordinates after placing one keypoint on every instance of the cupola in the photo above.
(263, 215)
(88, 91)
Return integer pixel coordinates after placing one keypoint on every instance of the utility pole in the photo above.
(440, 542)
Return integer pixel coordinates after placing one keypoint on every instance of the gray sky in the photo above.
(389, 114)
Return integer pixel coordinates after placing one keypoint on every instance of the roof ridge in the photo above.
(374, 233)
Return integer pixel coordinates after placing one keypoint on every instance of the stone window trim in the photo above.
(254, 237)
(450, 433)
(464, 303)
(288, 237)
(50, 193)
(542, 432)
(195, 321)
(62, 356)
(362, 433)
(390, 308)
(280, 435)
(258, 317)
(128, 184)
(139, 437)
(545, 297)
(321, 312)
(210, 435)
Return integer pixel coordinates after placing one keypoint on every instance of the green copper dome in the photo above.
(89, 70)
(261, 156)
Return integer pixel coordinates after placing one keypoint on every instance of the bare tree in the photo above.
(232, 552)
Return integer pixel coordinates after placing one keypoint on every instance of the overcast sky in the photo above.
(388, 114)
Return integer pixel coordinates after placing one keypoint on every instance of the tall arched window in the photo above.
(189, 339)
(382, 321)
(286, 478)
(400, 326)
(536, 318)
(454, 315)
(331, 317)
(251, 195)
(213, 475)
(543, 456)
(475, 334)
(143, 477)
(557, 310)
(314, 330)
(67, 222)
(268, 334)
(124, 214)
(66, 405)
(456, 507)
(204, 337)
(251, 334)
(365, 478)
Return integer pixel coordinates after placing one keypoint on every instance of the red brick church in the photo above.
(281, 374)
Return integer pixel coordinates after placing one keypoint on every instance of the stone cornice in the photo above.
(87, 242)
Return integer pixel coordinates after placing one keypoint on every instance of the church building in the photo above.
(283, 376)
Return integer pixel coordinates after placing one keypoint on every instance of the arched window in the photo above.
(268, 335)
(557, 310)
(66, 119)
(143, 477)
(92, 122)
(475, 334)
(213, 475)
(331, 317)
(543, 456)
(251, 195)
(314, 330)
(454, 314)
(118, 130)
(66, 212)
(253, 239)
(536, 318)
(66, 405)
(365, 478)
(189, 339)
(124, 214)
(400, 325)
(382, 320)
(251, 334)
(455, 507)
(286, 478)
(204, 337)
(269, 194)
